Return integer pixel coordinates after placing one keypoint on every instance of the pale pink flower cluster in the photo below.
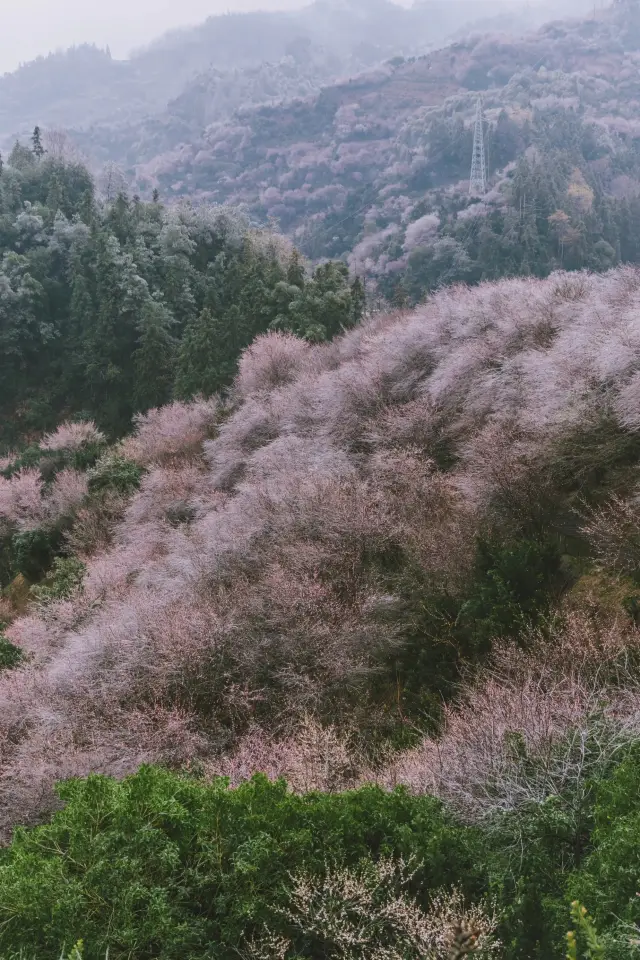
(21, 499)
(273, 360)
(72, 436)
(171, 431)
(68, 490)
(25, 506)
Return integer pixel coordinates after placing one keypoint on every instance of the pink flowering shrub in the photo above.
(173, 431)
(68, 490)
(21, 502)
(273, 360)
(275, 558)
(26, 505)
(72, 436)
(313, 757)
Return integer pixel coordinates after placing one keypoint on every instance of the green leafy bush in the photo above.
(34, 551)
(115, 473)
(609, 879)
(161, 865)
(64, 577)
(512, 589)
(529, 857)
(10, 655)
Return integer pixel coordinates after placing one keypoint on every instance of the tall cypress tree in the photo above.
(36, 140)
(205, 362)
(56, 200)
(120, 297)
(80, 320)
(154, 357)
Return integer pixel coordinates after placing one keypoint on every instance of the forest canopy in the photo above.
(108, 308)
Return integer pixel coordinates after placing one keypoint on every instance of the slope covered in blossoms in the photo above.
(337, 546)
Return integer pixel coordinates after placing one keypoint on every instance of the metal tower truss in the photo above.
(478, 181)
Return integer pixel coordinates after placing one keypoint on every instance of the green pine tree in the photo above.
(295, 270)
(80, 319)
(21, 157)
(120, 297)
(154, 357)
(56, 200)
(36, 140)
(205, 362)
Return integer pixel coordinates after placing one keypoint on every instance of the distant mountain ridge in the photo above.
(364, 156)
(85, 87)
(297, 160)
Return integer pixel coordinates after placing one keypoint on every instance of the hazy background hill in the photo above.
(352, 168)
(350, 125)
(328, 39)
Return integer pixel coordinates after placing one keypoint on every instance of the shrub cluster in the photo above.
(165, 865)
(346, 539)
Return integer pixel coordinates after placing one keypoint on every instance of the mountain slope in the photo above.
(369, 516)
(375, 153)
(84, 87)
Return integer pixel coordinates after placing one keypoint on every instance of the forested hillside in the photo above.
(110, 309)
(320, 609)
(405, 557)
(163, 97)
(85, 86)
(376, 167)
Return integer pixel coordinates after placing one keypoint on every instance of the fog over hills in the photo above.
(349, 124)
(327, 39)
(348, 167)
(37, 27)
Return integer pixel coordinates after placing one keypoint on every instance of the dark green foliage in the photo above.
(36, 140)
(165, 866)
(34, 551)
(609, 875)
(512, 588)
(62, 580)
(108, 310)
(203, 364)
(115, 473)
(10, 655)
(322, 308)
(154, 358)
(529, 857)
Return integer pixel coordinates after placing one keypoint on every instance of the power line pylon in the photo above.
(478, 180)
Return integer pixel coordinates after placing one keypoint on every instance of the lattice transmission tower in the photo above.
(478, 180)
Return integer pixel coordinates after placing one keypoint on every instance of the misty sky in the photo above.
(32, 27)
